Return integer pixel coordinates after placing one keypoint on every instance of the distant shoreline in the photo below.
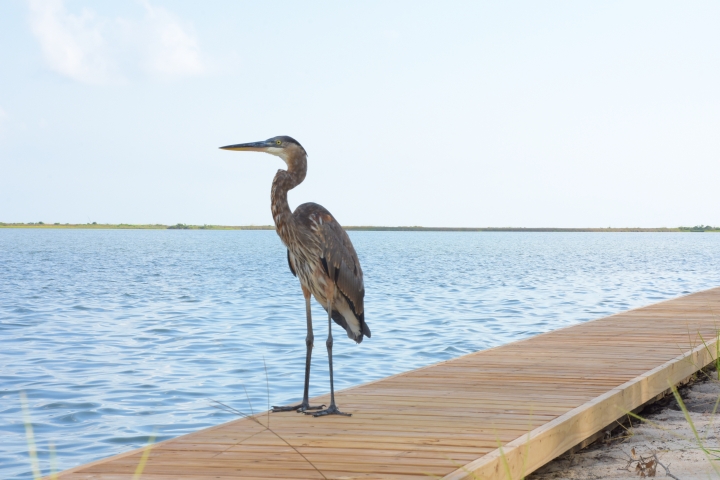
(180, 226)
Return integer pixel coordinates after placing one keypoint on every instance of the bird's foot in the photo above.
(331, 410)
(300, 408)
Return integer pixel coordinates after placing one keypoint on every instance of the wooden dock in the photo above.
(534, 398)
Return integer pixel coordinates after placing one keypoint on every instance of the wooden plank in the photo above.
(447, 420)
(533, 450)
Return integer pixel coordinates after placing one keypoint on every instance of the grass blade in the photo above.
(143, 460)
(32, 450)
(53, 462)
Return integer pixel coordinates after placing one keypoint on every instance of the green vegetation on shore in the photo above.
(130, 226)
(182, 226)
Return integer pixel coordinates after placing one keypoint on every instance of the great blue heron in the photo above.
(319, 254)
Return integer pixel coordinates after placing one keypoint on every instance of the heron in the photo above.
(320, 254)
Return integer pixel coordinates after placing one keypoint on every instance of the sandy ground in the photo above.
(667, 437)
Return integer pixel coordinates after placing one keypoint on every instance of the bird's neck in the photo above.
(284, 181)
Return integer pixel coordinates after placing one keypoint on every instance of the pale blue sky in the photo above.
(559, 114)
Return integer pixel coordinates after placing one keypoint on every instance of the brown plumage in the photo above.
(324, 255)
(320, 254)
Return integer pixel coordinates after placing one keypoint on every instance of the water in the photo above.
(116, 335)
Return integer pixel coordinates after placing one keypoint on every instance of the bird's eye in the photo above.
(278, 142)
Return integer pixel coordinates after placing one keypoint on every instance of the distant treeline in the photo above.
(182, 226)
(132, 226)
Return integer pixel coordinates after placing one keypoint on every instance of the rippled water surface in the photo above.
(115, 335)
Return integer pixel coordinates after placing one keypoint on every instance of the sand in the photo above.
(666, 437)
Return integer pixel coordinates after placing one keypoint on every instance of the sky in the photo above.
(443, 114)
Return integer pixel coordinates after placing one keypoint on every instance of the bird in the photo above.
(322, 257)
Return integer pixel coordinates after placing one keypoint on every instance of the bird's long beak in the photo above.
(249, 147)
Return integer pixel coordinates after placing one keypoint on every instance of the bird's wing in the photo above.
(290, 263)
(341, 263)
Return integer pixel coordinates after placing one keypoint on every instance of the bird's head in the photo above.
(283, 146)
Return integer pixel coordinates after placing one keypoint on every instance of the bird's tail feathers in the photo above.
(365, 328)
(353, 333)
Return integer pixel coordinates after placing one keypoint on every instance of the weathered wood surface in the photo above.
(536, 397)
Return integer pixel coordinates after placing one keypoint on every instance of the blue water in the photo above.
(116, 335)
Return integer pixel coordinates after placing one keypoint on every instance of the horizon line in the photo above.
(182, 226)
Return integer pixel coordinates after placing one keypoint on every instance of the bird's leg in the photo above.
(309, 339)
(332, 409)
